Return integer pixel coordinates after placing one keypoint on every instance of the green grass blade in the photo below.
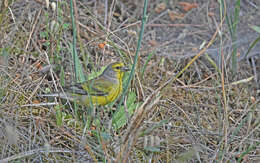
(252, 45)
(256, 28)
(58, 115)
(145, 64)
(77, 66)
(232, 23)
(144, 19)
(234, 38)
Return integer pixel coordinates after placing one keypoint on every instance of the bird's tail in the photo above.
(60, 95)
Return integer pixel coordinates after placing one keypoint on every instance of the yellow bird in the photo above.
(99, 91)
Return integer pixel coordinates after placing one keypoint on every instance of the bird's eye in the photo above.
(117, 67)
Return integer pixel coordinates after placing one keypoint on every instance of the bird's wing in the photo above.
(96, 87)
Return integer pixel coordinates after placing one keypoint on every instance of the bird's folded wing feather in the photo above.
(96, 87)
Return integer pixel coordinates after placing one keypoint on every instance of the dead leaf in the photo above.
(211, 14)
(173, 15)
(102, 45)
(153, 43)
(186, 6)
(160, 7)
(252, 98)
(36, 101)
(194, 49)
(38, 65)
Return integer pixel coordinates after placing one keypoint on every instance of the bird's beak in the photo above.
(125, 69)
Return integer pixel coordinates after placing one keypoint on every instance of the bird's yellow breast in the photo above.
(93, 100)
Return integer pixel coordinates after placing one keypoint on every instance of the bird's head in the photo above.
(115, 70)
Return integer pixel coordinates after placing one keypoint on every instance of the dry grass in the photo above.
(205, 115)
